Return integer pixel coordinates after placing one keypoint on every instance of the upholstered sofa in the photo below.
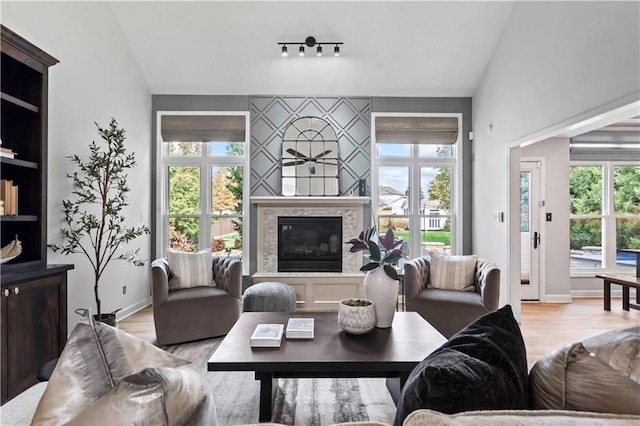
(486, 374)
(199, 312)
(20, 410)
(449, 311)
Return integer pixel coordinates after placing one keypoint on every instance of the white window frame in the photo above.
(608, 217)
(414, 162)
(205, 162)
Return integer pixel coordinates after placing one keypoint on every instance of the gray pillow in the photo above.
(154, 396)
(190, 269)
(452, 272)
(94, 361)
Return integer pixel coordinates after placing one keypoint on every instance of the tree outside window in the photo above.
(185, 209)
(430, 222)
(598, 211)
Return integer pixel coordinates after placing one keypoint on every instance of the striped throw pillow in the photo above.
(190, 269)
(452, 272)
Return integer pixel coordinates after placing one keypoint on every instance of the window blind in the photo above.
(420, 130)
(203, 128)
(605, 146)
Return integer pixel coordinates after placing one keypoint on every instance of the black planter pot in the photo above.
(109, 319)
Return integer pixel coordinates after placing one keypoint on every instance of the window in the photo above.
(204, 184)
(605, 215)
(414, 176)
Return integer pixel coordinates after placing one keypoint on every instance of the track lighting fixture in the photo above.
(310, 42)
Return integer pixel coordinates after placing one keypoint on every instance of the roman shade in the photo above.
(606, 146)
(202, 128)
(420, 130)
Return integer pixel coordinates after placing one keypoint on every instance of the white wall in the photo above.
(554, 234)
(97, 78)
(556, 63)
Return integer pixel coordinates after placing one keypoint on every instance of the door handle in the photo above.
(536, 240)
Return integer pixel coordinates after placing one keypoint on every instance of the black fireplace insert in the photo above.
(310, 244)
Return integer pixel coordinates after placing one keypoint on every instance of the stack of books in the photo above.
(267, 336)
(9, 195)
(6, 152)
(300, 328)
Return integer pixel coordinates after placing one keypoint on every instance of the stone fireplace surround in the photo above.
(316, 291)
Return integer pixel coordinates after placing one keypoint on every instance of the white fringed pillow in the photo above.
(452, 272)
(190, 269)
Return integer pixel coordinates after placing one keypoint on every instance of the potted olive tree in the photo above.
(93, 222)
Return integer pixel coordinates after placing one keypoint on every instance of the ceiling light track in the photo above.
(310, 42)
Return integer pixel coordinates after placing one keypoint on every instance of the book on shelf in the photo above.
(300, 328)
(8, 208)
(267, 336)
(14, 199)
(7, 154)
(9, 194)
(3, 194)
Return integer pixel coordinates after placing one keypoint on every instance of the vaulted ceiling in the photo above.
(390, 48)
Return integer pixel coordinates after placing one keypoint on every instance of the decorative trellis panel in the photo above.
(270, 116)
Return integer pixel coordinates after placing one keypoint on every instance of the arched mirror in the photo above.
(310, 158)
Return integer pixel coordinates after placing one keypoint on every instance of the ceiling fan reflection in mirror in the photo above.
(304, 159)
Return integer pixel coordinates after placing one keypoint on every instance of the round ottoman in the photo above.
(269, 297)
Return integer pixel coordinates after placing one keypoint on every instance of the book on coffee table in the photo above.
(300, 328)
(267, 336)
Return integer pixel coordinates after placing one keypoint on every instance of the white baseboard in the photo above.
(132, 309)
(557, 298)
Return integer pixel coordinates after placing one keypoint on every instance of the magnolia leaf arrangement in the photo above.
(93, 221)
(390, 244)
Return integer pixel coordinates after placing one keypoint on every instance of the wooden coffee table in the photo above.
(391, 352)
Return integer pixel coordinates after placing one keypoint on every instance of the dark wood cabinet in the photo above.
(33, 317)
(34, 324)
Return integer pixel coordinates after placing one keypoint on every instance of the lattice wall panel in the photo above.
(350, 118)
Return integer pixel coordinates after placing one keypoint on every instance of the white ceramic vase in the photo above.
(382, 290)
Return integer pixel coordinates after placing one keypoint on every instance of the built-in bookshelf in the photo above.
(23, 161)
(33, 302)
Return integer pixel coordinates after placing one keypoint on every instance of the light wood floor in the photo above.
(545, 326)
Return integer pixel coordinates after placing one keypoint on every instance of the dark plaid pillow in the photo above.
(482, 367)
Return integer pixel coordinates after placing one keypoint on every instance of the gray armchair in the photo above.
(198, 312)
(449, 311)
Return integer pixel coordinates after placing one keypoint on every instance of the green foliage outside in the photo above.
(585, 189)
(524, 202)
(235, 185)
(184, 198)
(430, 236)
(585, 193)
(440, 188)
(437, 237)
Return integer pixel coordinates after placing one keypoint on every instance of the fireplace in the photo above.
(310, 244)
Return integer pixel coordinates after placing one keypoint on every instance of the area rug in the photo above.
(298, 401)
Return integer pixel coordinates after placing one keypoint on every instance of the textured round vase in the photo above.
(356, 319)
(382, 290)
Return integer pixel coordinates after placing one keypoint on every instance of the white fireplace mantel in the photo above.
(309, 201)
